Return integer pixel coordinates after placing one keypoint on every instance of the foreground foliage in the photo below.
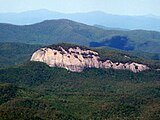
(35, 91)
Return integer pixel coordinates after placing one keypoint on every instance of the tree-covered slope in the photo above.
(41, 92)
(56, 31)
(15, 53)
(33, 90)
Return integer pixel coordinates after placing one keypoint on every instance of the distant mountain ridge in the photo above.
(147, 22)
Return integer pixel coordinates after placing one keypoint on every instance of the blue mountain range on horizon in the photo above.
(146, 22)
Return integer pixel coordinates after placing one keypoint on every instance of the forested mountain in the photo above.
(57, 31)
(35, 91)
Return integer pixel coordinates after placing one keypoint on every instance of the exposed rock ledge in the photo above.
(76, 59)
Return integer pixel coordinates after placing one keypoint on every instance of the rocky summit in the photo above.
(77, 58)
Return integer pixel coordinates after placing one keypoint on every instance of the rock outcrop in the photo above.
(76, 59)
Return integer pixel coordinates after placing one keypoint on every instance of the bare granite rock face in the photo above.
(76, 59)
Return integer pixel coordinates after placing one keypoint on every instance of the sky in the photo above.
(119, 7)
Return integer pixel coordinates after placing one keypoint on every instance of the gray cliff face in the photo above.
(76, 59)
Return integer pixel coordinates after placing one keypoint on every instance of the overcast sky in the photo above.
(122, 7)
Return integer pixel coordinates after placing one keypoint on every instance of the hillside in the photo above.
(15, 53)
(57, 31)
(41, 92)
(33, 90)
